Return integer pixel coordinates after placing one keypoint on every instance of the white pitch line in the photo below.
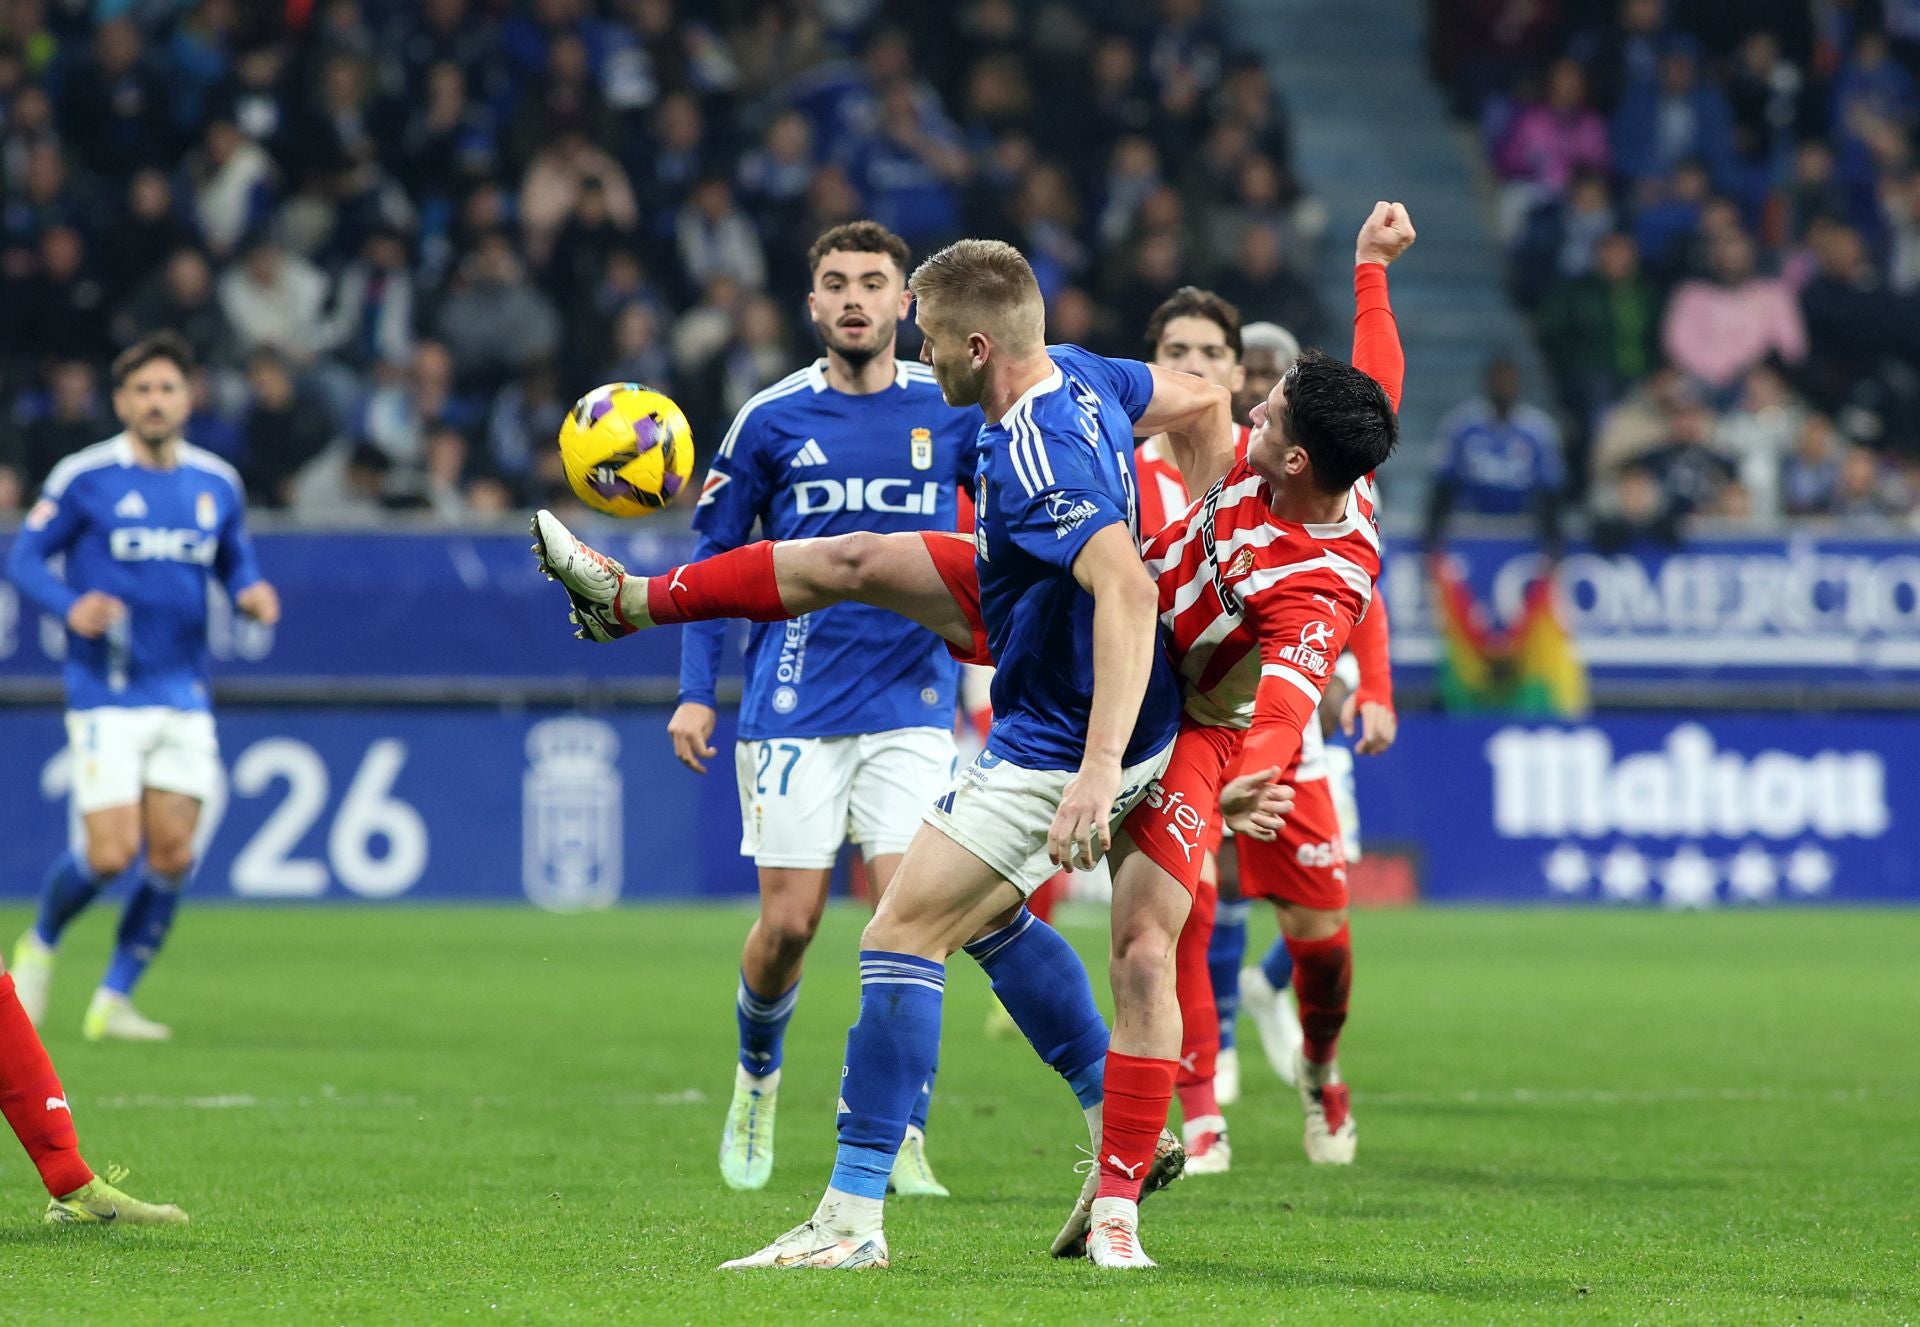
(327, 1098)
(1528, 1096)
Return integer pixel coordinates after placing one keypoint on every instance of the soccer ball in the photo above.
(627, 449)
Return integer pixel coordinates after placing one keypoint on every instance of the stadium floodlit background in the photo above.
(1663, 339)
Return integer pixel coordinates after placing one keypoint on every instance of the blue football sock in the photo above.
(924, 1102)
(143, 929)
(1224, 954)
(763, 1027)
(71, 885)
(1044, 986)
(1278, 964)
(890, 1054)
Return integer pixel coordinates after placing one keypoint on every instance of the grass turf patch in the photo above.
(469, 1114)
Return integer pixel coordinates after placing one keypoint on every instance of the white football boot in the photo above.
(1208, 1152)
(1169, 1163)
(33, 975)
(112, 1017)
(912, 1176)
(746, 1144)
(814, 1245)
(1114, 1238)
(1331, 1135)
(1274, 1018)
(593, 582)
(1226, 1076)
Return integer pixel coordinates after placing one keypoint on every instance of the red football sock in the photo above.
(1138, 1092)
(1322, 977)
(1199, 1016)
(34, 1102)
(1041, 904)
(737, 583)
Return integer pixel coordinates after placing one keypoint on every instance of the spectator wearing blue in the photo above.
(1680, 117)
(1498, 457)
(910, 168)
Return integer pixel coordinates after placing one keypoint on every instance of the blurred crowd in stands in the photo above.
(404, 235)
(1711, 211)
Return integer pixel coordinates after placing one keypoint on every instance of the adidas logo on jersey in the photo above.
(133, 507)
(812, 453)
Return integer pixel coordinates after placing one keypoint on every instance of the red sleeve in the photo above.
(963, 522)
(1369, 646)
(1376, 336)
(1301, 633)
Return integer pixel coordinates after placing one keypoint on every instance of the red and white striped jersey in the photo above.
(1163, 491)
(1243, 595)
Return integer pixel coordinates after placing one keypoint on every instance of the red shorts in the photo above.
(952, 556)
(1178, 822)
(1307, 864)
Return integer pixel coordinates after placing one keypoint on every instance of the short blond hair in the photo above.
(984, 286)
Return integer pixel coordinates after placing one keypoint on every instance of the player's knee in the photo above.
(855, 561)
(905, 933)
(110, 854)
(790, 932)
(1143, 958)
(170, 858)
(1312, 923)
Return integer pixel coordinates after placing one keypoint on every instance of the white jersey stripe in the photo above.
(1295, 676)
(95, 457)
(787, 386)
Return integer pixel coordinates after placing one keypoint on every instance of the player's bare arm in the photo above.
(1197, 418)
(1125, 613)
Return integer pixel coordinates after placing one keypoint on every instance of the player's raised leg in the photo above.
(767, 581)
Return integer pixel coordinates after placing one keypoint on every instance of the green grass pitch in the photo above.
(479, 1115)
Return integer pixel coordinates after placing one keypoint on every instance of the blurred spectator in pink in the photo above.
(1549, 142)
(1719, 326)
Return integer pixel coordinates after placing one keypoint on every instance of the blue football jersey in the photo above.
(151, 538)
(802, 460)
(1056, 469)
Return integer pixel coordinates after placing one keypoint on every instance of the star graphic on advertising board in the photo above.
(1687, 879)
(1810, 870)
(1623, 874)
(1568, 870)
(1752, 875)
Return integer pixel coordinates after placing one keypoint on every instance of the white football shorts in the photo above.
(802, 797)
(1001, 813)
(117, 752)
